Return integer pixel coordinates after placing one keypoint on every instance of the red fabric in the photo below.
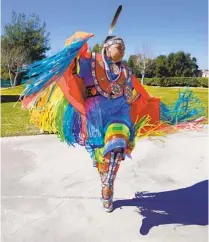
(139, 88)
(27, 100)
(73, 88)
(145, 104)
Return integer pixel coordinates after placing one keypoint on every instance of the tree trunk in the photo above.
(142, 79)
(143, 74)
(16, 79)
(10, 77)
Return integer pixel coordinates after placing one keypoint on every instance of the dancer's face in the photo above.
(116, 52)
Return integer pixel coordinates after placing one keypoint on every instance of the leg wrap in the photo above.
(110, 169)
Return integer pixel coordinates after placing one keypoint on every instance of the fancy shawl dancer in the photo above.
(94, 100)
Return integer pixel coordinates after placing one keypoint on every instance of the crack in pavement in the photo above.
(33, 221)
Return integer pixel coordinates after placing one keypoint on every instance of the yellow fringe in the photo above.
(146, 129)
(44, 109)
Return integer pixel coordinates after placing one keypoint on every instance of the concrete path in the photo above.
(50, 192)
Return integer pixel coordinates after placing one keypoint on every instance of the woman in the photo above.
(95, 101)
(108, 96)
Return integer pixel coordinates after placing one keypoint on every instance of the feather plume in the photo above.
(114, 21)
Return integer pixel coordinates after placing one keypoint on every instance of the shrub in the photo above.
(177, 81)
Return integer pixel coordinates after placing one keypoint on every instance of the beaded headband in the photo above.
(113, 41)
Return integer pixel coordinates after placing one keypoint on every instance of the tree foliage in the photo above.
(24, 40)
(132, 63)
(178, 64)
(13, 57)
(97, 48)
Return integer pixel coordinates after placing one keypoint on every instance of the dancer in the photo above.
(94, 100)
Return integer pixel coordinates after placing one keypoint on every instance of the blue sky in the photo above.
(155, 26)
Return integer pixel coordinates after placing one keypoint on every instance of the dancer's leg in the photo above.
(108, 173)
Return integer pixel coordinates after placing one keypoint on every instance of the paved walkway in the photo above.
(50, 193)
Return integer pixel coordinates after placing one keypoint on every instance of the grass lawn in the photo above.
(15, 121)
(169, 94)
(12, 90)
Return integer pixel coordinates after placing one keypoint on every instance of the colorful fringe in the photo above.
(42, 74)
(52, 113)
(185, 109)
(50, 69)
(50, 110)
(45, 108)
(187, 113)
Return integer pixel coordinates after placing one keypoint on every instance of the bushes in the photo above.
(204, 81)
(5, 83)
(177, 81)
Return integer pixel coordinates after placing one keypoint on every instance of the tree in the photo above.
(151, 68)
(24, 33)
(132, 63)
(171, 64)
(4, 73)
(125, 62)
(161, 66)
(97, 48)
(186, 66)
(13, 57)
(181, 64)
(142, 64)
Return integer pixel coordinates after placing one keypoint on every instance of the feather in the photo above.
(114, 21)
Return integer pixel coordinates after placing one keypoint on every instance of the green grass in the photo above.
(12, 90)
(15, 121)
(168, 95)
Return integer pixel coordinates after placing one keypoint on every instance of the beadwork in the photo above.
(116, 89)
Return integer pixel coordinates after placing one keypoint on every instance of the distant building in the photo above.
(204, 73)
